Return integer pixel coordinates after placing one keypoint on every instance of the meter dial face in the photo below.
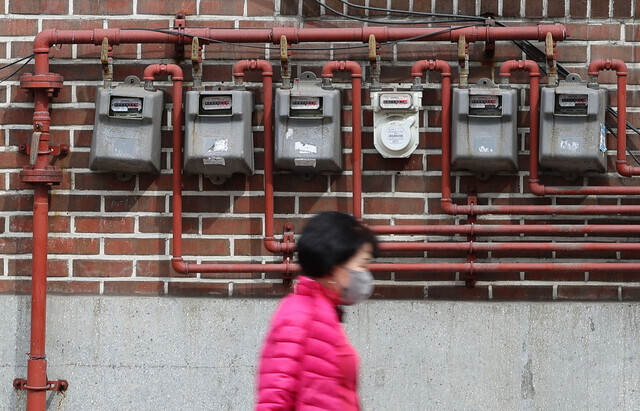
(572, 100)
(395, 101)
(210, 103)
(488, 102)
(126, 105)
(305, 103)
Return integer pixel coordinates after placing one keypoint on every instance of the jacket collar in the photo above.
(310, 287)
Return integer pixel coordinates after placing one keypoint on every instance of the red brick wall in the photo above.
(114, 237)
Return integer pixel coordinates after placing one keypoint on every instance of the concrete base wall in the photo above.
(169, 353)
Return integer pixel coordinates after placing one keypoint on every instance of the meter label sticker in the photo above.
(476, 101)
(304, 162)
(216, 161)
(220, 146)
(303, 148)
(603, 138)
(573, 145)
(395, 101)
(216, 103)
(485, 145)
(573, 100)
(305, 103)
(126, 105)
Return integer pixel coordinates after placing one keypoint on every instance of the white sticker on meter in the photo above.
(572, 100)
(305, 103)
(483, 101)
(216, 161)
(126, 105)
(216, 103)
(396, 134)
(395, 101)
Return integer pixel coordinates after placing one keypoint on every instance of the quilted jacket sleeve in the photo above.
(280, 363)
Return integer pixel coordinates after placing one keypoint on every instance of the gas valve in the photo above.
(396, 122)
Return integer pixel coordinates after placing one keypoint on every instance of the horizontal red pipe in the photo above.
(508, 229)
(473, 247)
(504, 267)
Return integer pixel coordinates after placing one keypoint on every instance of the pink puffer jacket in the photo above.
(307, 363)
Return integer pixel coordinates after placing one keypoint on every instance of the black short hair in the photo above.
(330, 239)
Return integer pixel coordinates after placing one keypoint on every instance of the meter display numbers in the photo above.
(125, 107)
(395, 101)
(488, 102)
(216, 103)
(305, 103)
(573, 100)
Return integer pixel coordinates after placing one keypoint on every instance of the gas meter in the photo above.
(572, 131)
(218, 140)
(126, 131)
(484, 129)
(396, 122)
(307, 127)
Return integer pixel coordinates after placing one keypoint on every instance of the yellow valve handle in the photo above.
(104, 54)
(35, 142)
(462, 47)
(372, 48)
(548, 46)
(284, 56)
(195, 48)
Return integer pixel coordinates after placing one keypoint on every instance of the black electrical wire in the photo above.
(365, 20)
(459, 17)
(19, 68)
(17, 61)
(610, 130)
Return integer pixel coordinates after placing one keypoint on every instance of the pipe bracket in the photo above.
(57, 385)
(288, 238)
(49, 175)
(51, 82)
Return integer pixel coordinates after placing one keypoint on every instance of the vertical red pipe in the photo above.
(356, 106)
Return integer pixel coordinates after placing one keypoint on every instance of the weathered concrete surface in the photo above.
(168, 353)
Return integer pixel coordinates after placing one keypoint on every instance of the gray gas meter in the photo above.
(218, 140)
(396, 122)
(126, 131)
(307, 127)
(484, 128)
(572, 131)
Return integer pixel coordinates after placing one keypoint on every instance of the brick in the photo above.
(620, 277)
(73, 287)
(165, 225)
(22, 267)
(133, 288)
(24, 224)
(442, 6)
(393, 206)
(289, 8)
(102, 268)
(398, 292)
(260, 290)
(111, 7)
(73, 116)
(57, 245)
(578, 8)
(489, 8)
(15, 286)
(511, 8)
(313, 205)
(202, 247)
(16, 202)
(599, 9)
(16, 116)
(134, 203)
(184, 289)
(581, 31)
(467, 8)
(217, 7)
(510, 292)
(42, 6)
(63, 202)
(205, 204)
(232, 226)
(18, 27)
(15, 245)
(135, 246)
(310, 8)
(158, 268)
(555, 9)
(156, 7)
(260, 7)
(446, 292)
(102, 181)
(232, 276)
(104, 224)
(628, 293)
(587, 292)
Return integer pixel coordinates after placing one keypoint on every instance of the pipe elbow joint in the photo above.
(44, 40)
(272, 245)
(179, 265)
(536, 188)
(624, 169)
(448, 207)
(598, 65)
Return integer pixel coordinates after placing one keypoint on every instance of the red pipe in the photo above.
(506, 267)
(475, 247)
(356, 79)
(534, 97)
(620, 68)
(504, 230)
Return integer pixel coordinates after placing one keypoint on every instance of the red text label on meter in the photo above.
(126, 105)
(216, 103)
(397, 101)
(305, 103)
(484, 101)
(573, 100)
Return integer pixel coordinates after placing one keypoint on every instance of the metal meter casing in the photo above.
(572, 131)
(126, 137)
(307, 127)
(396, 122)
(484, 128)
(218, 140)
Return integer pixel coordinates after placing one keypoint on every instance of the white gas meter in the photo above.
(126, 131)
(396, 122)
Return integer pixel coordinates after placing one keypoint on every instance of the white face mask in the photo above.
(359, 288)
